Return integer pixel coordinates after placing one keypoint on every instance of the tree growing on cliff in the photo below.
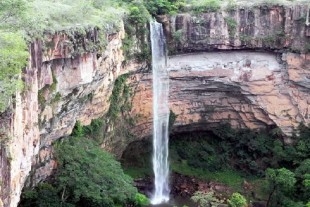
(159, 7)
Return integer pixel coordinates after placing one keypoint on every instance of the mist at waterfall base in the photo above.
(160, 115)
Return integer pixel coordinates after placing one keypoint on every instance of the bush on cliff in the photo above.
(159, 7)
(13, 57)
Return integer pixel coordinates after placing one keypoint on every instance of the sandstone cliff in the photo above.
(247, 66)
(63, 86)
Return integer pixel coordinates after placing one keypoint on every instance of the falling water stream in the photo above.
(160, 114)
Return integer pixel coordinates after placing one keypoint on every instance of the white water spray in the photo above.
(160, 114)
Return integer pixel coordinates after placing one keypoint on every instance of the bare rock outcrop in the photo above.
(246, 89)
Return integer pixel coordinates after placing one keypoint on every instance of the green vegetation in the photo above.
(13, 53)
(237, 200)
(177, 35)
(13, 57)
(159, 7)
(22, 20)
(43, 195)
(135, 45)
(280, 181)
(136, 159)
(200, 6)
(94, 131)
(229, 177)
(64, 15)
(141, 200)
(172, 118)
(103, 185)
(242, 149)
(206, 199)
(232, 26)
(119, 99)
(86, 176)
(284, 167)
(119, 120)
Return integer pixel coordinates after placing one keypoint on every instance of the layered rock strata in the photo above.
(246, 89)
(265, 27)
(61, 88)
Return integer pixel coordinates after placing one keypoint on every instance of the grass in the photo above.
(214, 5)
(138, 172)
(22, 21)
(229, 177)
(61, 15)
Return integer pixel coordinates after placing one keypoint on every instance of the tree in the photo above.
(159, 7)
(11, 12)
(43, 195)
(89, 176)
(13, 53)
(281, 181)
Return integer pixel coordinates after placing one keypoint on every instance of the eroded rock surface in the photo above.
(271, 27)
(246, 89)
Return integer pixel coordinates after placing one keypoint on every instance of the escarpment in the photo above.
(249, 67)
(245, 66)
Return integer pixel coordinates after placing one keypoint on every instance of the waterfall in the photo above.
(160, 114)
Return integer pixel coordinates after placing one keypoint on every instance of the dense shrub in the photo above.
(200, 6)
(86, 176)
(159, 7)
(237, 200)
(13, 58)
(141, 200)
(90, 176)
(206, 199)
(43, 195)
(288, 174)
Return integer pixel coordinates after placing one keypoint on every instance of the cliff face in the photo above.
(246, 89)
(219, 76)
(262, 27)
(20, 138)
(61, 88)
(223, 73)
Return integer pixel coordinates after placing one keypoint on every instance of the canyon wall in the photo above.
(248, 66)
(244, 88)
(245, 66)
(62, 87)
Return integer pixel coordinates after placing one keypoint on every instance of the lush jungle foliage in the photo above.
(86, 176)
(285, 168)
